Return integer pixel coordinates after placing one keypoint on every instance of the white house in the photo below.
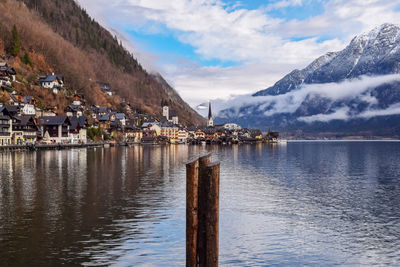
(28, 109)
(52, 81)
(183, 135)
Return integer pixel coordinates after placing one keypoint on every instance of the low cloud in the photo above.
(288, 103)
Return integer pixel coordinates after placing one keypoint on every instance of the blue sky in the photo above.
(209, 49)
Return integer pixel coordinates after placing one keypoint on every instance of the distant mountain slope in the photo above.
(88, 53)
(340, 92)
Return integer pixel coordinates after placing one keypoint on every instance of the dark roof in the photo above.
(4, 111)
(50, 77)
(103, 117)
(77, 122)
(12, 109)
(102, 109)
(24, 120)
(53, 120)
(73, 108)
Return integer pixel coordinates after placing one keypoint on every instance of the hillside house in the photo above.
(25, 130)
(104, 121)
(74, 110)
(78, 100)
(7, 74)
(5, 127)
(55, 129)
(52, 81)
(173, 117)
(106, 88)
(121, 118)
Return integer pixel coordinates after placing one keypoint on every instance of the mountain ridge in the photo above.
(305, 100)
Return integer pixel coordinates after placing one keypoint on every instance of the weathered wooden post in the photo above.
(192, 183)
(212, 214)
(202, 212)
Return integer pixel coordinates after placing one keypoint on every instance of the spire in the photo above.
(209, 110)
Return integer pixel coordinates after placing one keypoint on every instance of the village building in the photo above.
(47, 112)
(105, 87)
(25, 130)
(169, 115)
(55, 129)
(74, 110)
(52, 81)
(104, 121)
(121, 118)
(5, 127)
(153, 127)
(78, 130)
(170, 131)
(183, 135)
(78, 100)
(256, 133)
(7, 74)
(132, 133)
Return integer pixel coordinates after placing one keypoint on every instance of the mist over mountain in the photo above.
(353, 92)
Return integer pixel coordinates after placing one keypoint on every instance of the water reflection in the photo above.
(298, 204)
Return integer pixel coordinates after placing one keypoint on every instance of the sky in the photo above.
(217, 49)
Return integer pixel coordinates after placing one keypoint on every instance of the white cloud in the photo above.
(262, 45)
(339, 114)
(291, 101)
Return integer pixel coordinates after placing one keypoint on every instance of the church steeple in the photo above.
(210, 122)
(209, 110)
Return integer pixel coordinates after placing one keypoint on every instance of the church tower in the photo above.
(165, 109)
(210, 122)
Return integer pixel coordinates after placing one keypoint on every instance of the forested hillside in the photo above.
(59, 36)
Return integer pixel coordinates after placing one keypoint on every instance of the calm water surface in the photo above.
(305, 203)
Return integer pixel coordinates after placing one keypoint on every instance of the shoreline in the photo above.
(36, 147)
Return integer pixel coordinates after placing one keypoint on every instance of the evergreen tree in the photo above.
(26, 59)
(15, 45)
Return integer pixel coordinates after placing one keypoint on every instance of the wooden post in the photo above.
(202, 233)
(212, 214)
(202, 212)
(192, 183)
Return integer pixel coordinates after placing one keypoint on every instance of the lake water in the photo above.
(304, 203)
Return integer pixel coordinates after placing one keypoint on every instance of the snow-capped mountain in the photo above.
(339, 92)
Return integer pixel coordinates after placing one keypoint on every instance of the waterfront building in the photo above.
(5, 127)
(55, 129)
(25, 130)
(78, 130)
(170, 131)
(182, 135)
